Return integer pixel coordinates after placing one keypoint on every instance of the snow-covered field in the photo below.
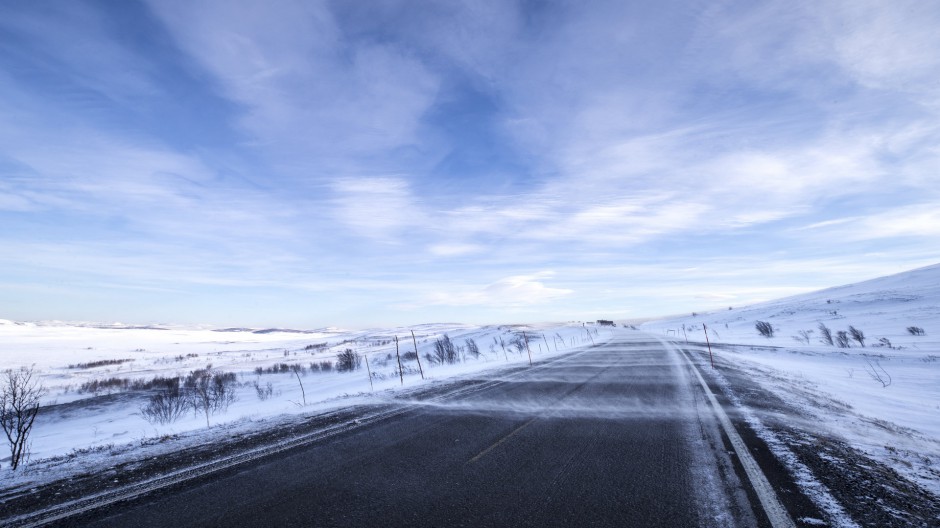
(883, 398)
(89, 372)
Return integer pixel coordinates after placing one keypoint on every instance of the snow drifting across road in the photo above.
(882, 398)
(92, 409)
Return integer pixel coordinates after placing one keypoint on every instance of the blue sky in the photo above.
(378, 163)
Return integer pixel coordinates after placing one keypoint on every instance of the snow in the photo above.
(897, 424)
(64, 355)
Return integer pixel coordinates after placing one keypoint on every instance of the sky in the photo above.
(372, 163)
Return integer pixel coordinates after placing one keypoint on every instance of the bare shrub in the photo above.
(878, 373)
(826, 335)
(107, 385)
(915, 331)
(857, 335)
(803, 336)
(210, 391)
(445, 351)
(473, 349)
(348, 360)
(518, 342)
(842, 339)
(764, 328)
(20, 392)
(99, 363)
(264, 391)
(326, 366)
(165, 407)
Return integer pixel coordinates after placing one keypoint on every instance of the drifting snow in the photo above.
(91, 423)
(897, 424)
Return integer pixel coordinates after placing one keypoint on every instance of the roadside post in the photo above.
(417, 356)
(527, 347)
(710, 357)
(401, 371)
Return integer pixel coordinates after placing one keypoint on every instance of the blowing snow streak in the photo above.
(617, 435)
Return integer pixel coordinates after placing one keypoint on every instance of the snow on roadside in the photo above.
(897, 424)
(96, 425)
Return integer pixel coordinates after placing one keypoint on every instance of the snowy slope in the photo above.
(899, 423)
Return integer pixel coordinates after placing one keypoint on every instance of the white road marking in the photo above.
(779, 518)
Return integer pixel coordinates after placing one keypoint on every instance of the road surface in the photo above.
(621, 434)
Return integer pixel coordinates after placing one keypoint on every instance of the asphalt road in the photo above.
(618, 435)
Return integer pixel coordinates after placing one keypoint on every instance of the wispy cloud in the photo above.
(345, 158)
(309, 94)
(377, 208)
(517, 290)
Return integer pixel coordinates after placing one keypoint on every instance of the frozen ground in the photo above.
(894, 419)
(92, 413)
(882, 399)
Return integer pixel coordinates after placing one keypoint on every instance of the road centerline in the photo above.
(483, 453)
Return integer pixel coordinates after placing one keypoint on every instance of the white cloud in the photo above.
(887, 45)
(378, 208)
(517, 290)
(454, 250)
(310, 93)
(921, 220)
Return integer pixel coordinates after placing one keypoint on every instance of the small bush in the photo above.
(764, 328)
(842, 339)
(165, 407)
(878, 373)
(100, 363)
(348, 360)
(857, 335)
(803, 336)
(210, 391)
(104, 385)
(326, 366)
(264, 391)
(826, 335)
(473, 349)
(445, 351)
(518, 342)
(915, 331)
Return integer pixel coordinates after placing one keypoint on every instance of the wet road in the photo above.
(618, 435)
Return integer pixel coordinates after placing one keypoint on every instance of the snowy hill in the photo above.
(882, 394)
(882, 307)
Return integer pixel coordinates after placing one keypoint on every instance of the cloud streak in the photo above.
(323, 159)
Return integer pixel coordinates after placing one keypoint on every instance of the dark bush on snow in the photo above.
(348, 360)
(445, 351)
(826, 334)
(165, 407)
(764, 328)
(842, 339)
(857, 335)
